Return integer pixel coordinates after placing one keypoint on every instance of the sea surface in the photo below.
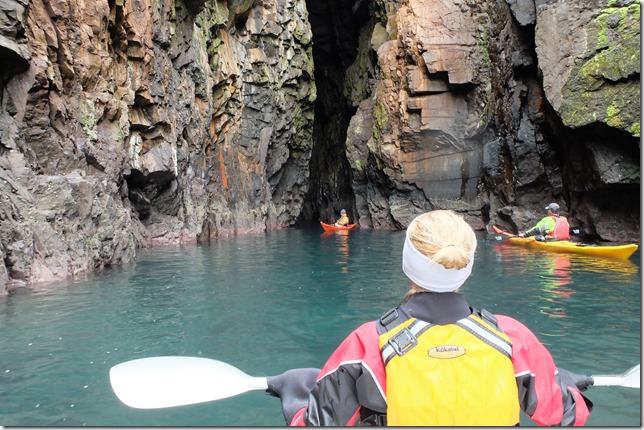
(283, 300)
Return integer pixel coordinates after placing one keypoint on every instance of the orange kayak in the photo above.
(614, 251)
(331, 227)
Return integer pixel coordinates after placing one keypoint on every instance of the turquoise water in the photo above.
(282, 300)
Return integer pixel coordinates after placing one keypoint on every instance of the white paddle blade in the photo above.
(630, 378)
(163, 382)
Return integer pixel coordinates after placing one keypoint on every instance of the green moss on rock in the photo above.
(88, 118)
(606, 87)
(357, 165)
(635, 129)
(381, 121)
(612, 116)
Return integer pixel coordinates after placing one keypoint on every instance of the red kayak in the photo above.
(331, 227)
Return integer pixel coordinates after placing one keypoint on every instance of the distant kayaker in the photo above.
(554, 226)
(433, 360)
(344, 219)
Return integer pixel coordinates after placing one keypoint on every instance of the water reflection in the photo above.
(342, 241)
(554, 275)
(618, 270)
(551, 274)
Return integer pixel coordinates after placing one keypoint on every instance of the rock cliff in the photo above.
(135, 123)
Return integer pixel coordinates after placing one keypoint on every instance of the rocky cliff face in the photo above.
(134, 123)
(128, 124)
(495, 108)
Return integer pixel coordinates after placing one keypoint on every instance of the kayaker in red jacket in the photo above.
(433, 360)
(554, 226)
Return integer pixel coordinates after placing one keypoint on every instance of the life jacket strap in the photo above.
(374, 419)
(484, 333)
(391, 319)
(489, 318)
(403, 341)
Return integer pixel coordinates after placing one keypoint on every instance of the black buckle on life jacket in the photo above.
(388, 317)
(392, 318)
(488, 317)
(403, 341)
(375, 419)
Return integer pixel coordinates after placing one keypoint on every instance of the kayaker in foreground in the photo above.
(433, 360)
(344, 219)
(554, 226)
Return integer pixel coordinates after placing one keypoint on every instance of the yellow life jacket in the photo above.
(458, 374)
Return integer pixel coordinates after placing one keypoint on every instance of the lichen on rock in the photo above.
(604, 86)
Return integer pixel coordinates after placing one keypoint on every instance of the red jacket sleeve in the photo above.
(542, 394)
(351, 380)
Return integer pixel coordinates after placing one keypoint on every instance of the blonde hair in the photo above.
(444, 237)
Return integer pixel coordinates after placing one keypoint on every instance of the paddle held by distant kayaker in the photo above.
(344, 219)
(433, 360)
(554, 226)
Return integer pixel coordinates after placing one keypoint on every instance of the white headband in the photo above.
(429, 275)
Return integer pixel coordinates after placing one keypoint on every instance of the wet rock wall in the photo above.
(135, 123)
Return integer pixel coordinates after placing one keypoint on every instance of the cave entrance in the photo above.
(336, 26)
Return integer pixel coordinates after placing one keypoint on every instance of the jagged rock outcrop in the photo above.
(494, 109)
(428, 114)
(134, 123)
